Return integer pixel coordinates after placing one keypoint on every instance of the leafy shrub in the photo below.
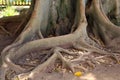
(9, 11)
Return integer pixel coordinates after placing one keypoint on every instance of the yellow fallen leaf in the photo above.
(78, 74)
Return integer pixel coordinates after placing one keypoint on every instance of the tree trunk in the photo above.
(57, 25)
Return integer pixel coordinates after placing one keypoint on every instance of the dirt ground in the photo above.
(103, 72)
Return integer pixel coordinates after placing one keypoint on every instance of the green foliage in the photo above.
(20, 0)
(9, 11)
(0, 1)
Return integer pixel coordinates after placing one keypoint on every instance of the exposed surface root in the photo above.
(91, 52)
(111, 32)
(56, 55)
(73, 62)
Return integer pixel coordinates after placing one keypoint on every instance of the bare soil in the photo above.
(101, 72)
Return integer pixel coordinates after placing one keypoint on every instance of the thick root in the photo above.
(56, 55)
(3, 71)
(112, 31)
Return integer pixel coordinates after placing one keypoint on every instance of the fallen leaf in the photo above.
(78, 74)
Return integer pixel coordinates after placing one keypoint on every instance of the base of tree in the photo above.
(32, 41)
